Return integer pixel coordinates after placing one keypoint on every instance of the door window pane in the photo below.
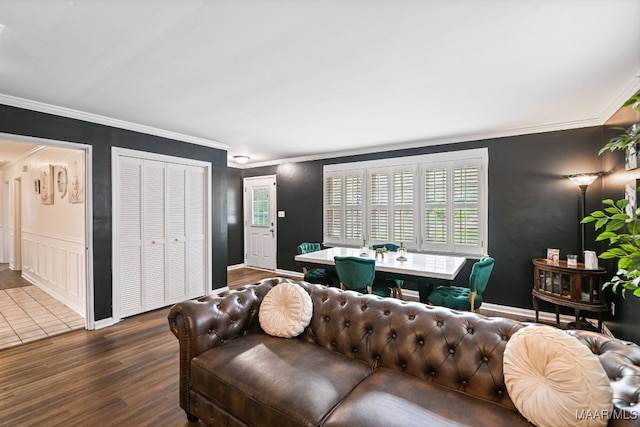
(260, 215)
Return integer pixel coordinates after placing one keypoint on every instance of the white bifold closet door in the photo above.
(162, 222)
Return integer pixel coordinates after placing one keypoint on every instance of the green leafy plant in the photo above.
(623, 233)
(616, 224)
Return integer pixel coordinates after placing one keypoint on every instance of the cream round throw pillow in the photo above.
(286, 310)
(555, 380)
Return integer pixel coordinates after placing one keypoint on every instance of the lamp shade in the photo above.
(583, 179)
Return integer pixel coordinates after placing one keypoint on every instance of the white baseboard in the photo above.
(235, 267)
(290, 273)
(103, 323)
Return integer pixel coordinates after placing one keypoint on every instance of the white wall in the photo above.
(53, 236)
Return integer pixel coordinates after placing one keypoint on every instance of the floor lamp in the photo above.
(583, 181)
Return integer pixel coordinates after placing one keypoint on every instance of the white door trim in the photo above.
(273, 214)
(88, 207)
(117, 152)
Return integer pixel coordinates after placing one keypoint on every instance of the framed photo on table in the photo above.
(553, 256)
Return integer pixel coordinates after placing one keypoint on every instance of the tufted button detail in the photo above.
(504, 338)
(210, 331)
(364, 307)
(485, 359)
(394, 335)
(470, 330)
(387, 312)
(404, 365)
(464, 383)
(451, 351)
(377, 357)
(412, 316)
(500, 392)
(370, 331)
(432, 373)
(346, 324)
(421, 342)
(354, 350)
(327, 318)
(439, 323)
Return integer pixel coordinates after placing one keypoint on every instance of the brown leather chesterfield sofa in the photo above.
(362, 361)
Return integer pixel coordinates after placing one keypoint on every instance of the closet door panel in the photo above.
(130, 236)
(176, 233)
(196, 227)
(154, 234)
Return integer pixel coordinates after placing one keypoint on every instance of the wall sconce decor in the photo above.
(583, 181)
(75, 177)
(60, 177)
(46, 186)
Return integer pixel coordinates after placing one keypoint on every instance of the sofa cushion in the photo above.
(551, 377)
(275, 381)
(391, 398)
(286, 310)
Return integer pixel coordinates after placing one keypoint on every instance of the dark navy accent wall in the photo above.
(532, 206)
(29, 123)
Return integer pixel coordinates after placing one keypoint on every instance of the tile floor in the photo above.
(28, 313)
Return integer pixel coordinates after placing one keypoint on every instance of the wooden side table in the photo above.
(578, 287)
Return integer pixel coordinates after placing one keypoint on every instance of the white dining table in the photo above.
(418, 265)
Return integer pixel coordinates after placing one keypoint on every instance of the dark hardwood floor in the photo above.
(123, 375)
(11, 279)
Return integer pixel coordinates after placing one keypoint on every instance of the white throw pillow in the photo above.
(555, 380)
(286, 310)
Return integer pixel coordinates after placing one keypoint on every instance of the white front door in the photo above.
(260, 222)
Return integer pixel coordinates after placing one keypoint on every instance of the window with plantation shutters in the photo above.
(434, 202)
(465, 204)
(353, 206)
(379, 206)
(435, 205)
(333, 208)
(403, 207)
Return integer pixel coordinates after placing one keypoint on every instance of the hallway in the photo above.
(27, 313)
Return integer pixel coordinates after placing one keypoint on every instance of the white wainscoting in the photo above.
(56, 264)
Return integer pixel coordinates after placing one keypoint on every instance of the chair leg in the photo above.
(342, 286)
(472, 300)
(369, 290)
(398, 293)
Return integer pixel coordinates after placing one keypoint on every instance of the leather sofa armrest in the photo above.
(209, 321)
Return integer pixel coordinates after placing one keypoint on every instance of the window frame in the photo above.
(417, 165)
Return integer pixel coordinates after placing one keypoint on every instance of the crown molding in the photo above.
(56, 110)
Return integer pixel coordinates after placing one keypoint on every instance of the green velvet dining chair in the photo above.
(358, 274)
(315, 275)
(462, 297)
(395, 285)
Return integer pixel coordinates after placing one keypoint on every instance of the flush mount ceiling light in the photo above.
(241, 159)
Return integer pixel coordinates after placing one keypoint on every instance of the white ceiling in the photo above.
(286, 79)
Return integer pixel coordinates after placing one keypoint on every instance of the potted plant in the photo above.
(618, 226)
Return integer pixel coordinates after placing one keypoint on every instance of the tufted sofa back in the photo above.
(459, 350)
